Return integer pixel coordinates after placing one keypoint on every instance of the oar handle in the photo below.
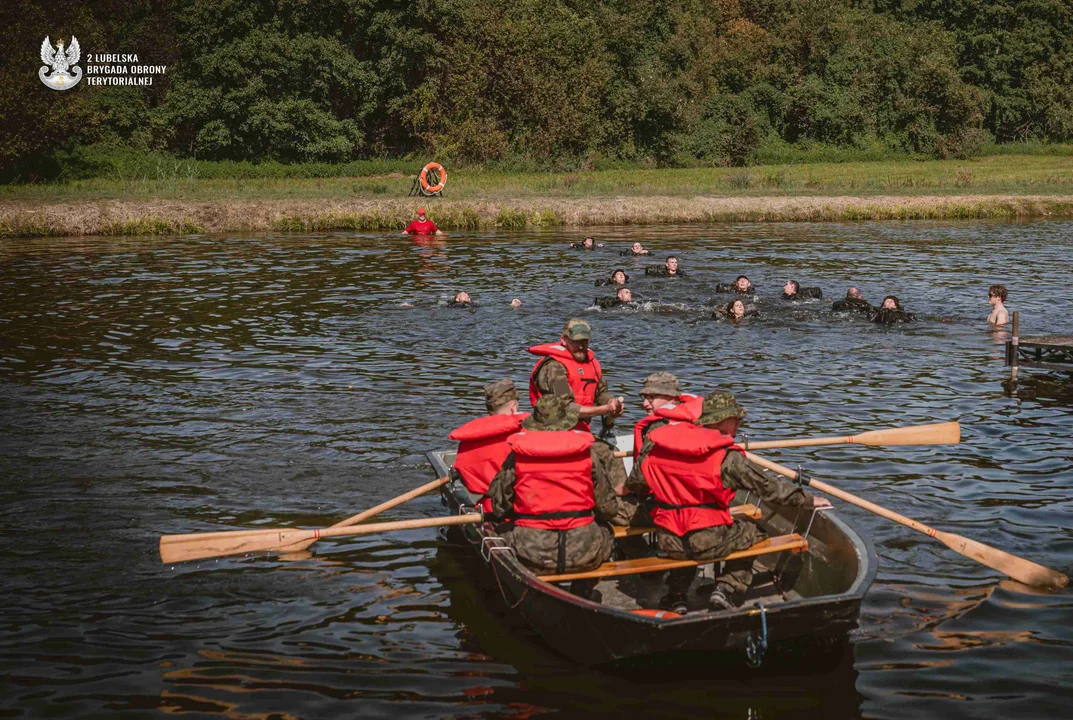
(373, 511)
(369, 528)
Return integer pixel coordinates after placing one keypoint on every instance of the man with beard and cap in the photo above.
(482, 442)
(693, 472)
(853, 302)
(569, 369)
(553, 487)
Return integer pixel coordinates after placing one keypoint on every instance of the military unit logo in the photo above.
(62, 62)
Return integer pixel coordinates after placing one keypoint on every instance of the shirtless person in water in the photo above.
(996, 295)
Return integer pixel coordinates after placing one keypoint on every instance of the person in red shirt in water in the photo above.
(422, 225)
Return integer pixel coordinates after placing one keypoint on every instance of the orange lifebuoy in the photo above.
(658, 614)
(423, 177)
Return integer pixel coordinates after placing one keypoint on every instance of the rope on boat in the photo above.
(756, 645)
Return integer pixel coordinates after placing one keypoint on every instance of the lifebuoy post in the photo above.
(431, 180)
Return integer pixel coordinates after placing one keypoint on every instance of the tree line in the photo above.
(669, 82)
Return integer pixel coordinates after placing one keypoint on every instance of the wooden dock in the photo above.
(1049, 352)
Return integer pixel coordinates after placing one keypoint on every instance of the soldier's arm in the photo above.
(551, 380)
(636, 483)
(606, 500)
(501, 490)
(740, 474)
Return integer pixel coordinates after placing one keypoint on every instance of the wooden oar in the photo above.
(938, 434)
(196, 546)
(372, 512)
(1017, 568)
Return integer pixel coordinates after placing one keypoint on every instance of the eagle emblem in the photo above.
(61, 62)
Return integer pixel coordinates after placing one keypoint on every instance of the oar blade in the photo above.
(1021, 570)
(197, 546)
(948, 433)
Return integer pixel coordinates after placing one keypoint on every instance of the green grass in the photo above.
(998, 174)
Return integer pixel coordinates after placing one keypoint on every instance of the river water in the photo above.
(153, 386)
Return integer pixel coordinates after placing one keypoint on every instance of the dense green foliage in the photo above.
(556, 83)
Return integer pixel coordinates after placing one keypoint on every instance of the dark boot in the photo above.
(584, 588)
(721, 599)
(675, 602)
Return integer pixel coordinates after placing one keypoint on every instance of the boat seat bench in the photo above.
(782, 543)
(739, 512)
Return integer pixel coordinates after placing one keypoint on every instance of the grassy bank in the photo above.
(991, 187)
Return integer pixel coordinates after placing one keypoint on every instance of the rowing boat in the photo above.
(806, 595)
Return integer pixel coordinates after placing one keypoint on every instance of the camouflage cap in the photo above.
(499, 393)
(552, 412)
(577, 329)
(661, 383)
(718, 406)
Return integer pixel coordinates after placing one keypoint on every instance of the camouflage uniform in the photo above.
(737, 473)
(551, 379)
(662, 271)
(583, 548)
(732, 288)
(608, 303)
(805, 293)
(887, 316)
(856, 305)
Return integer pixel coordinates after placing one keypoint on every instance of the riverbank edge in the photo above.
(167, 217)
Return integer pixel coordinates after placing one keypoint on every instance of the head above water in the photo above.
(619, 277)
(660, 388)
(891, 303)
(742, 283)
(637, 247)
(501, 397)
(736, 309)
(672, 263)
(552, 413)
(576, 336)
(791, 287)
(997, 291)
(853, 294)
(588, 242)
(721, 412)
(624, 295)
(462, 297)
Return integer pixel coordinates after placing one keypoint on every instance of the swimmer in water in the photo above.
(792, 290)
(853, 302)
(890, 312)
(996, 297)
(736, 310)
(741, 286)
(515, 303)
(462, 299)
(622, 297)
(636, 249)
(587, 244)
(669, 269)
(619, 277)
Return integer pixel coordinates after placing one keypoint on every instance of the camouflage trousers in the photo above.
(551, 551)
(710, 543)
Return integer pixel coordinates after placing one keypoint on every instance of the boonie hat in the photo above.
(552, 412)
(718, 406)
(661, 383)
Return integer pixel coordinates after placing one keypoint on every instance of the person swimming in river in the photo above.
(890, 312)
(736, 310)
(996, 297)
(741, 286)
(619, 277)
(622, 297)
(792, 290)
(852, 303)
(462, 300)
(668, 269)
(636, 249)
(587, 244)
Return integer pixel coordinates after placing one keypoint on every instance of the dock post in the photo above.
(1013, 346)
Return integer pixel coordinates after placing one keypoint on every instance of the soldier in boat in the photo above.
(553, 486)
(693, 471)
(792, 290)
(619, 277)
(669, 269)
(853, 302)
(623, 297)
(742, 286)
(482, 442)
(569, 369)
(890, 312)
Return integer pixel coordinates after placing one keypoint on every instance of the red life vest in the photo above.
(666, 412)
(553, 487)
(683, 470)
(482, 448)
(583, 377)
(687, 409)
